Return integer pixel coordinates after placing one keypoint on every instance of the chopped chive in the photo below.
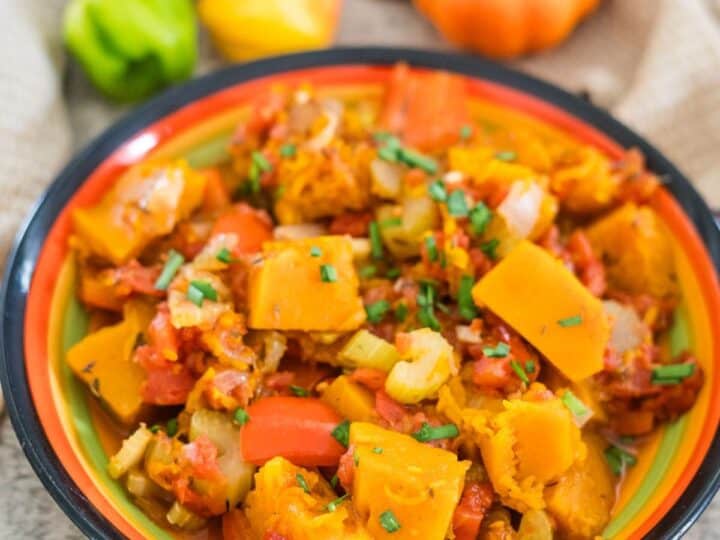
(416, 159)
(224, 255)
(328, 274)
(376, 246)
(390, 222)
(401, 311)
(240, 416)
(315, 251)
(388, 154)
(443, 307)
(279, 192)
(199, 290)
(427, 318)
(574, 405)
(174, 261)
(500, 350)
(506, 155)
(387, 138)
(332, 505)
(672, 372)
(618, 459)
(519, 371)
(426, 301)
(368, 271)
(261, 161)
(627, 439)
(195, 295)
(466, 304)
(437, 191)
(377, 450)
(302, 483)
(341, 433)
(299, 391)
(334, 480)
(254, 178)
(570, 321)
(376, 312)
(480, 216)
(431, 247)
(432, 433)
(456, 204)
(392, 273)
(489, 247)
(287, 150)
(171, 428)
(389, 522)
(466, 132)
(154, 428)
(666, 382)
(530, 366)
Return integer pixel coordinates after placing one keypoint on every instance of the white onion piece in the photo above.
(466, 334)
(628, 331)
(298, 231)
(360, 248)
(386, 178)
(453, 177)
(521, 208)
(275, 347)
(332, 110)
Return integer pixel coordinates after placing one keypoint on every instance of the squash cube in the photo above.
(350, 400)
(103, 360)
(144, 204)
(420, 484)
(290, 291)
(541, 299)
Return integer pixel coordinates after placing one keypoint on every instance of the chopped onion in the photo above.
(521, 207)
(332, 111)
(466, 334)
(453, 177)
(386, 178)
(275, 347)
(360, 248)
(628, 331)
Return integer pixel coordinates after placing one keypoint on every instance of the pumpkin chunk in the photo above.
(308, 284)
(548, 306)
(293, 503)
(145, 203)
(103, 360)
(351, 400)
(419, 484)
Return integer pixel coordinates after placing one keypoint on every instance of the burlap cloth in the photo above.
(654, 63)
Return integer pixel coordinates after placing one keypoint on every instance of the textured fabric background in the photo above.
(654, 63)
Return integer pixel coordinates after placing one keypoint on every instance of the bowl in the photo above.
(678, 472)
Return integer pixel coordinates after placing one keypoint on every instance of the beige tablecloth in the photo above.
(654, 63)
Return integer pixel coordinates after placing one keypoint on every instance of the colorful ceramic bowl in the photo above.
(678, 472)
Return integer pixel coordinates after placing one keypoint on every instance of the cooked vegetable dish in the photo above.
(396, 312)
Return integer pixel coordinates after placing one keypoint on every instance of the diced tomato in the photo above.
(588, 267)
(216, 195)
(199, 466)
(493, 373)
(229, 382)
(371, 378)
(235, 526)
(264, 112)
(298, 429)
(133, 277)
(415, 177)
(474, 503)
(352, 223)
(167, 383)
(428, 110)
(346, 469)
(162, 334)
(389, 410)
(252, 227)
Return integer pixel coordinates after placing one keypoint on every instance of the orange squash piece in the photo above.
(541, 299)
(288, 292)
(144, 204)
(419, 484)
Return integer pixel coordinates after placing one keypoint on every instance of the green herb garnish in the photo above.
(416, 159)
(466, 132)
(466, 304)
(376, 246)
(240, 417)
(302, 483)
(171, 428)
(389, 522)
(388, 153)
(299, 391)
(315, 251)
(437, 191)
(341, 433)
(368, 271)
(261, 161)
(618, 459)
(392, 273)
(530, 366)
(328, 274)
(519, 371)
(377, 450)
(401, 311)
(489, 247)
(224, 255)
(480, 216)
(500, 350)
(574, 405)
(288, 150)
(390, 222)
(456, 204)
(332, 505)
(431, 433)
(375, 312)
(506, 155)
(431, 247)
(174, 261)
(575, 320)
(671, 373)
(198, 290)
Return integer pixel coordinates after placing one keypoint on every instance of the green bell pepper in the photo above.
(132, 48)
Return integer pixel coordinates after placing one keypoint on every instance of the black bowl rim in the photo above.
(30, 238)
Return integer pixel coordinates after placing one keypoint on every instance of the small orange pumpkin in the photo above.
(506, 28)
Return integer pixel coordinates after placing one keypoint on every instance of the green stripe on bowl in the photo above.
(74, 328)
(680, 340)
